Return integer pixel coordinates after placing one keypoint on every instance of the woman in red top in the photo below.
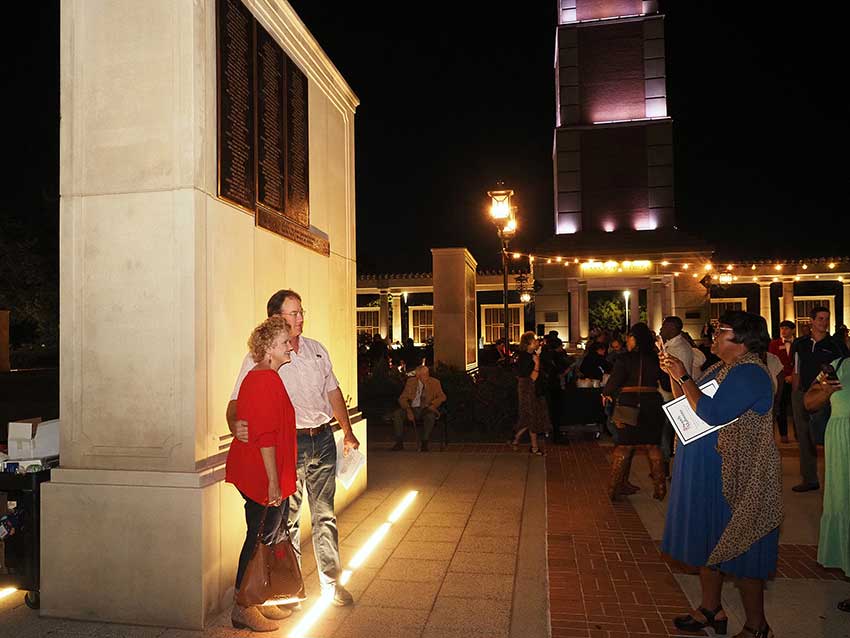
(263, 469)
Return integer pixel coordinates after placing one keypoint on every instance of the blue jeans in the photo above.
(274, 530)
(316, 469)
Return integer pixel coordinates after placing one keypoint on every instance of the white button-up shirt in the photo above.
(308, 378)
(679, 347)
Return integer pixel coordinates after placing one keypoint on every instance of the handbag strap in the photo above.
(261, 528)
(640, 375)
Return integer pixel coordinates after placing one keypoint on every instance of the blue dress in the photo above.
(697, 512)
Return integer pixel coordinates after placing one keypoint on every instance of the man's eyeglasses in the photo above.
(718, 329)
(295, 313)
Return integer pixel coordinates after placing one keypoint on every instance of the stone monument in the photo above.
(207, 160)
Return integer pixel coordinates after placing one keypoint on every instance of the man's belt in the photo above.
(313, 431)
(638, 388)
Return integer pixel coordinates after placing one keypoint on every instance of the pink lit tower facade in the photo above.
(614, 216)
(613, 142)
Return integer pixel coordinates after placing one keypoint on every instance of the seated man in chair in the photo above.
(421, 399)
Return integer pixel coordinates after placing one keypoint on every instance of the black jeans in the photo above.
(782, 408)
(274, 530)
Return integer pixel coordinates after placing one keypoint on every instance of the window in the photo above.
(719, 306)
(803, 306)
(368, 321)
(493, 322)
(421, 319)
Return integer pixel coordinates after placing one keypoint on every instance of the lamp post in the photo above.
(626, 295)
(502, 215)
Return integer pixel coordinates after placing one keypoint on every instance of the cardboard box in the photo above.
(33, 439)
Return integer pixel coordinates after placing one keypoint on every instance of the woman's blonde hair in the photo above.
(264, 335)
(526, 339)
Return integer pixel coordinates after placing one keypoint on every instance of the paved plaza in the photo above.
(491, 532)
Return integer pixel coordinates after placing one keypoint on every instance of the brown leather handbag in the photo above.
(272, 574)
(627, 415)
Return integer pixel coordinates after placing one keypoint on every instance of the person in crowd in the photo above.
(411, 355)
(834, 541)
(533, 412)
(699, 357)
(809, 354)
(726, 494)
(595, 364)
(842, 333)
(421, 399)
(615, 349)
(634, 382)
(317, 398)
(263, 467)
(781, 347)
(676, 345)
(379, 355)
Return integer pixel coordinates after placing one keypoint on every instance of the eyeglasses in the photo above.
(719, 329)
(295, 313)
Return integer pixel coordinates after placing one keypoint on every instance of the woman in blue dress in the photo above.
(726, 493)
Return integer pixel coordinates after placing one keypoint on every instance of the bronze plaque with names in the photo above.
(297, 157)
(270, 131)
(236, 154)
(285, 227)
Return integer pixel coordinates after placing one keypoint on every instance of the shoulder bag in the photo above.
(273, 574)
(627, 415)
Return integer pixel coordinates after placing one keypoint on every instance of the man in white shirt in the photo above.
(314, 391)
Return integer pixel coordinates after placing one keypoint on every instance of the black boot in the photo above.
(424, 446)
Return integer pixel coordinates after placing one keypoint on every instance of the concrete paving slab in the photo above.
(466, 616)
(497, 586)
(489, 544)
(387, 622)
(403, 595)
(435, 534)
(414, 570)
(480, 563)
(426, 550)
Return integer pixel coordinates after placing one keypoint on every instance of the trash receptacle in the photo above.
(21, 543)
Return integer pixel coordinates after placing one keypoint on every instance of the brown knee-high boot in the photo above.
(626, 487)
(618, 469)
(656, 468)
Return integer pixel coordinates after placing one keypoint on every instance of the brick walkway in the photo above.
(607, 577)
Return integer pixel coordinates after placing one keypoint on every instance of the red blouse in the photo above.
(265, 405)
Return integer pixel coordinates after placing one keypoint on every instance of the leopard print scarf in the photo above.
(751, 474)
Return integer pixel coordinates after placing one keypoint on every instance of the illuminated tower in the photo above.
(613, 154)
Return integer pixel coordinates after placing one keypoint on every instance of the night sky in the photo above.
(461, 94)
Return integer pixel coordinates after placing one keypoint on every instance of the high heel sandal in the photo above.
(536, 451)
(689, 623)
(747, 632)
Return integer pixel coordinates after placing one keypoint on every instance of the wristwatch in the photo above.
(683, 378)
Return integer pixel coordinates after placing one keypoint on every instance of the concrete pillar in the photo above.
(5, 362)
(634, 306)
(575, 312)
(764, 304)
(384, 314)
(455, 308)
(137, 525)
(583, 311)
(846, 318)
(668, 298)
(655, 305)
(396, 333)
(788, 312)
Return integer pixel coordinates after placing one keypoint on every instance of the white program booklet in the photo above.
(347, 467)
(689, 427)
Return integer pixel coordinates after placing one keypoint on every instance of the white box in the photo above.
(24, 444)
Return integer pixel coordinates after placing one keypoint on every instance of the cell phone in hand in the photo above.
(829, 372)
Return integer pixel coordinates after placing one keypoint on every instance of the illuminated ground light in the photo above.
(315, 612)
(8, 591)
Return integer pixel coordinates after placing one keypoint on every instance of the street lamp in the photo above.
(626, 295)
(502, 215)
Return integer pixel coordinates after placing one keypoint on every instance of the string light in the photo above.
(517, 255)
(805, 267)
(665, 263)
(831, 265)
(729, 267)
(753, 267)
(686, 266)
(708, 267)
(778, 267)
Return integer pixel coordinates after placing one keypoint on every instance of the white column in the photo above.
(384, 315)
(655, 304)
(764, 304)
(846, 318)
(788, 313)
(396, 318)
(668, 301)
(575, 312)
(584, 310)
(634, 306)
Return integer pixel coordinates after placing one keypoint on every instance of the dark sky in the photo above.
(457, 95)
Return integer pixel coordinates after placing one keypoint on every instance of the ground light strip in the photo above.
(312, 616)
(7, 592)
